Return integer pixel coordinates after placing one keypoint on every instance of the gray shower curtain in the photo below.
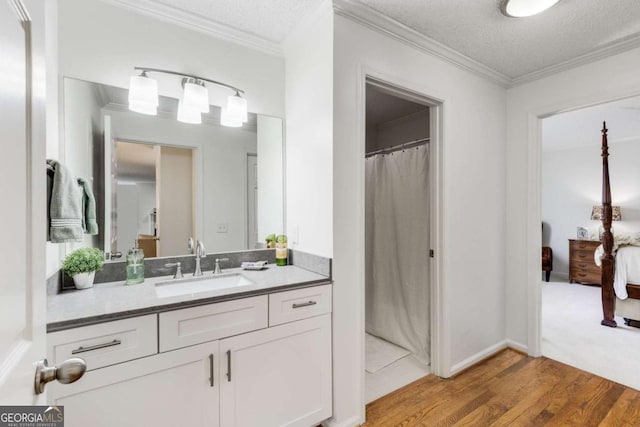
(397, 249)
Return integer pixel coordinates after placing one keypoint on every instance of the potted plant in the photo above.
(82, 265)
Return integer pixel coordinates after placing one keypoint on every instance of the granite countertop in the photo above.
(115, 300)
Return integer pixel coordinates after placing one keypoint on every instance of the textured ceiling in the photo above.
(270, 19)
(581, 128)
(512, 46)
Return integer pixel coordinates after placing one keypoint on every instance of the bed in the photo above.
(621, 283)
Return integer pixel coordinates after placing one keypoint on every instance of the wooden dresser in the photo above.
(582, 267)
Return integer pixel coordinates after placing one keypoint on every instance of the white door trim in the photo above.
(534, 203)
(440, 339)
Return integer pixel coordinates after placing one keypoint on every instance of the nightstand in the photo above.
(582, 267)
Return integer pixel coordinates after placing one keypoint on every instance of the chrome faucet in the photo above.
(199, 254)
(178, 267)
(217, 269)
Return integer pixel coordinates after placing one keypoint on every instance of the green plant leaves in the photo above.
(84, 260)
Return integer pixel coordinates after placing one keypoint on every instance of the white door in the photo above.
(277, 377)
(110, 228)
(173, 389)
(22, 185)
(252, 201)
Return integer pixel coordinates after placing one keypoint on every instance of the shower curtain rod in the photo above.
(404, 146)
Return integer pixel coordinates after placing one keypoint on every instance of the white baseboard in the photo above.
(470, 361)
(355, 421)
(518, 346)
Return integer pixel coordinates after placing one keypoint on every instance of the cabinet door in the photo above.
(172, 389)
(280, 376)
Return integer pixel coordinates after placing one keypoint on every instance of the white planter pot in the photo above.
(84, 280)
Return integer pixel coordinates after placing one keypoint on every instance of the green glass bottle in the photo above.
(135, 265)
(281, 250)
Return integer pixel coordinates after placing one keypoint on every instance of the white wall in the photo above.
(102, 43)
(605, 80)
(309, 129)
(270, 177)
(473, 201)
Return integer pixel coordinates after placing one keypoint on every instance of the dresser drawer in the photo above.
(584, 244)
(586, 267)
(299, 304)
(195, 325)
(582, 255)
(107, 343)
(585, 276)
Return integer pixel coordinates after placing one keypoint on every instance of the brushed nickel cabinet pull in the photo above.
(211, 379)
(304, 304)
(229, 365)
(95, 347)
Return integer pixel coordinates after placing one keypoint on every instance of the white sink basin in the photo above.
(172, 288)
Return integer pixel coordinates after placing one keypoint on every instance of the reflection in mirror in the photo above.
(158, 181)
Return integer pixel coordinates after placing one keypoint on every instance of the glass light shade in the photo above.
(143, 108)
(143, 94)
(187, 114)
(196, 97)
(227, 120)
(522, 8)
(237, 108)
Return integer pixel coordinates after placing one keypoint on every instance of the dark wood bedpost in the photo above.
(608, 295)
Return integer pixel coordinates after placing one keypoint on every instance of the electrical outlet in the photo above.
(222, 227)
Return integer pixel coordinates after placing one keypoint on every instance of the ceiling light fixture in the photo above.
(523, 8)
(143, 98)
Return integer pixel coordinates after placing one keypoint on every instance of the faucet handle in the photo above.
(200, 249)
(217, 269)
(178, 267)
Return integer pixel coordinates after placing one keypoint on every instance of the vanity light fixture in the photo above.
(143, 98)
(523, 8)
(143, 94)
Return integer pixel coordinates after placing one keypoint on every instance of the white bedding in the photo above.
(627, 268)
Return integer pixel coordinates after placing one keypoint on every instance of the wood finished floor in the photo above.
(510, 389)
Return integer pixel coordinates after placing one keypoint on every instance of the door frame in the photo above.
(534, 204)
(439, 325)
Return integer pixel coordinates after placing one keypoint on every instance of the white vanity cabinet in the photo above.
(261, 361)
(280, 376)
(172, 389)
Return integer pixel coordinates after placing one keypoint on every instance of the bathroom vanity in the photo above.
(253, 355)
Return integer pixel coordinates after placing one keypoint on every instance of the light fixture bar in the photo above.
(175, 73)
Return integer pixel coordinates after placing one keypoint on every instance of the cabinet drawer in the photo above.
(587, 267)
(584, 244)
(107, 343)
(582, 255)
(299, 304)
(190, 326)
(585, 276)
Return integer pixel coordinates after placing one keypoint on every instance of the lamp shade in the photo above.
(186, 114)
(196, 96)
(143, 94)
(596, 213)
(230, 121)
(237, 108)
(523, 8)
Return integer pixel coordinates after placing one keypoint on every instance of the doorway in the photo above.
(398, 222)
(571, 183)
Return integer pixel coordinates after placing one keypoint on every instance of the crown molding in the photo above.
(197, 23)
(593, 56)
(375, 20)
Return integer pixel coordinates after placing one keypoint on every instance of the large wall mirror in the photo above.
(159, 182)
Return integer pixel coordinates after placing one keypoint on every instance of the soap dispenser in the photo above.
(135, 265)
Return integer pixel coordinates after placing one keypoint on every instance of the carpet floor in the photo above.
(572, 334)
